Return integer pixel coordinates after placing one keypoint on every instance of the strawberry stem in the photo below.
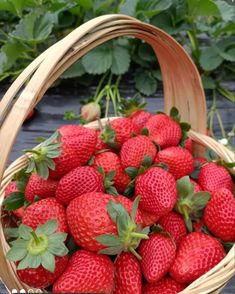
(35, 237)
(139, 235)
(133, 251)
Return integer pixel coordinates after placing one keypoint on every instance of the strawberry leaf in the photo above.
(108, 240)
(145, 132)
(174, 114)
(135, 207)
(14, 200)
(48, 261)
(11, 232)
(132, 172)
(114, 250)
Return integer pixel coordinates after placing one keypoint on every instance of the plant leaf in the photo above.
(11, 232)
(14, 200)
(111, 250)
(50, 227)
(16, 254)
(48, 261)
(120, 60)
(25, 232)
(128, 7)
(145, 83)
(75, 70)
(210, 58)
(108, 240)
(99, 60)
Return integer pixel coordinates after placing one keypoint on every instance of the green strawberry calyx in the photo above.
(133, 172)
(132, 105)
(189, 204)
(108, 181)
(129, 234)
(108, 136)
(34, 248)
(41, 159)
(17, 199)
(185, 127)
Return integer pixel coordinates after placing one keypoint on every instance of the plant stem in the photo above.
(139, 235)
(107, 102)
(100, 84)
(35, 237)
(113, 101)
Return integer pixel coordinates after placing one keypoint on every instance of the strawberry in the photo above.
(197, 254)
(110, 161)
(173, 224)
(139, 120)
(40, 255)
(165, 286)
(158, 254)
(188, 144)
(197, 225)
(117, 132)
(72, 130)
(179, 161)
(76, 151)
(190, 203)
(149, 218)
(197, 187)
(134, 109)
(128, 277)
(219, 215)
(134, 151)
(42, 211)
(90, 111)
(100, 145)
(87, 272)
(213, 176)
(163, 130)
(92, 216)
(30, 115)
(37, 186)
(157, 188)
(79, 181)
(11, 188)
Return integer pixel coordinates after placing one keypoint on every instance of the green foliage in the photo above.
(205, 28)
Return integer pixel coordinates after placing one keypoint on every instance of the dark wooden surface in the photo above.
(51, 109)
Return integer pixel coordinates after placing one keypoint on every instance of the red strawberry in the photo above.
(165, 286)
(173, 223)
(163, 130)
(188, 144)
(212, 177)
(72, 130)
(219, 215)
(100, 145)
(76, 151)
(40, 277)
(134, 108)
(157, 188)
(109, 161)
(40, 255)
(88, 218)
(30, 115)
(44, 210)
(139, 120)
(158, 254)
(178, 160)
(37, 186)
(197, 187)
(87, 272)
(197, 254)
(135, 150)
(199, 161)
(10, 188)
(149, 218)
(128, 277)
(117, 132)
(197, 226)
(78, 181)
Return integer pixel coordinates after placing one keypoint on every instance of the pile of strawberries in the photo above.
(126, 209)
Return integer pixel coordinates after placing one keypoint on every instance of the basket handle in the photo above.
(181, 80)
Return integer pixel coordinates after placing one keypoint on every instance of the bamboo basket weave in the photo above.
(182, 88)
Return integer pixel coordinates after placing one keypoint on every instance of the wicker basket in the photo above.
(182, 88)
